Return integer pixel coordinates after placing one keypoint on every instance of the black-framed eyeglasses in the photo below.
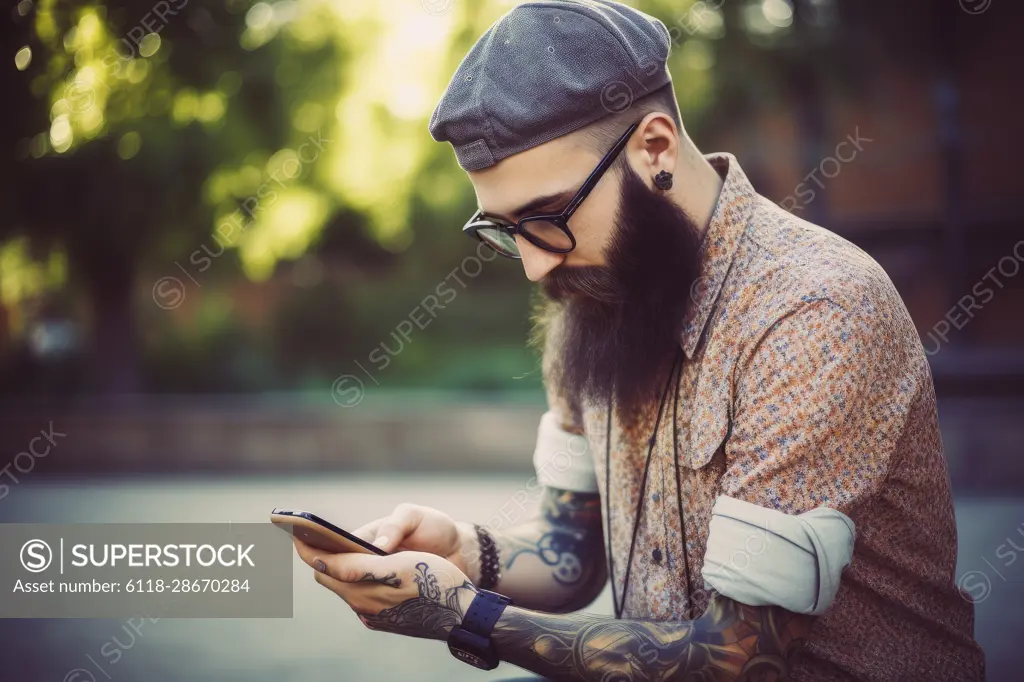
(549, 231)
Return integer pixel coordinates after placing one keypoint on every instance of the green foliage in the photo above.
(150, 139)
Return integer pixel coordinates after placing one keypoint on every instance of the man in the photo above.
(750, 388)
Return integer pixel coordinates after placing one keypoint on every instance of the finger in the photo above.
(369, 531)
(353, 595)
(403, 522)
(350, 568)
(307, 553)
(346, 568)
(313, 557)
(335, 586)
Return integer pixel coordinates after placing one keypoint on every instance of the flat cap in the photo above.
(545, 69)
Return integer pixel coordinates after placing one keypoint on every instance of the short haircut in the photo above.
(602, 134)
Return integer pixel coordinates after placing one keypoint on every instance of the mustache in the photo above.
(591, 281)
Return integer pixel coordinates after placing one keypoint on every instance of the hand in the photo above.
(424, 529)
(409, 593)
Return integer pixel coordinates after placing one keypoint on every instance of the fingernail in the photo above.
(321, 566)
(381, 541)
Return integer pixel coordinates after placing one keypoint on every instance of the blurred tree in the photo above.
(140, 126)
(153, 139)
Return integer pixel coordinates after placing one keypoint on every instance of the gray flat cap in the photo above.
(545, 69)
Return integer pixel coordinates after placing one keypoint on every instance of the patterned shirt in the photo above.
(804, 384)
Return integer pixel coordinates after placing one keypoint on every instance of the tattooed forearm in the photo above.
(559, 549)
(731, 641)
(563, 507)
(391, 579)
(555, 563)
(431, 614)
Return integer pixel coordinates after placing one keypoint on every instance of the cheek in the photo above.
(594, 228)
(592, 242)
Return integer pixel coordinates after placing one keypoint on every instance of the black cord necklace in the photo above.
(677, 373)
(679, 492)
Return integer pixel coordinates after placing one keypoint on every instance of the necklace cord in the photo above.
(620, 604)
(679, 492)
(607, 503)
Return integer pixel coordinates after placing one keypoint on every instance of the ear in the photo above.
(655, 146)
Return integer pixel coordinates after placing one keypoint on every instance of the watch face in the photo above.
(472, 659)
(471, 649)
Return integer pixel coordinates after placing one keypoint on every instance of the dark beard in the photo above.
(618, 327)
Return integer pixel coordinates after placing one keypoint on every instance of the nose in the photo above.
(536, 261)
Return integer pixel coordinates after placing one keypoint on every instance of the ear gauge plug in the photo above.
(663, 180)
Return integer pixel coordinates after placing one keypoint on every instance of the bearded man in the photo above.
(742, 429)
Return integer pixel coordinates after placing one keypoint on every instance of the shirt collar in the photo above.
(722, 237)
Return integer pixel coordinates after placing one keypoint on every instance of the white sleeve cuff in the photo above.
(765, 557)
(562, 459)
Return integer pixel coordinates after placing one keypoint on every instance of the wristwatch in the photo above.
(470, 642)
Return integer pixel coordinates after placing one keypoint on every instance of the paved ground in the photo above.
(324, 641)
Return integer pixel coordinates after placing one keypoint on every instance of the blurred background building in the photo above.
(220, 222)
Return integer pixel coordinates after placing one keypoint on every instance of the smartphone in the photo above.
(324, 535)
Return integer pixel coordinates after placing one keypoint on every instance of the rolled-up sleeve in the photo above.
(562, 459)
(763, 557)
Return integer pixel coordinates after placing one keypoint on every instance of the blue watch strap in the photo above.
(484, 611)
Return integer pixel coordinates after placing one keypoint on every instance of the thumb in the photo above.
(402, 523)
(369, 531)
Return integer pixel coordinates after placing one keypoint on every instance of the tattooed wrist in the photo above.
(470, 548)
(431, 614)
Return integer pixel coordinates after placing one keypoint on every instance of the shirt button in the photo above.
(656, 555)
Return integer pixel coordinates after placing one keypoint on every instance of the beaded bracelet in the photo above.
(490, 566)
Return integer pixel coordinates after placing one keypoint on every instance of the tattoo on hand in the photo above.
(391, 579)
(431, 614)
